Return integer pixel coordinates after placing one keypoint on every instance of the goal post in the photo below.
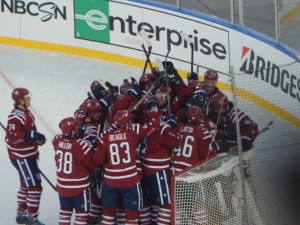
(210, 193)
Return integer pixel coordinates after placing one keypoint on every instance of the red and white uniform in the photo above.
(157, 154)
(19, 123)
(74, 163)
(90, 131)
(117, 149)
(80, 115)
(194, 146)
(226, 124)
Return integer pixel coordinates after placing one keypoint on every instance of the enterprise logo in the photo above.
(92, 20)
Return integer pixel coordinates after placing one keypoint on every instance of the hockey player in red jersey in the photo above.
(22, 140)
(208, 85)
(116, 149)
(73, 157)
(195, 141)
(222, 113)
(97, 93)
(156, 160)
(91, 126)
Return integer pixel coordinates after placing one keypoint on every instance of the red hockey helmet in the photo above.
(91, 106)
(211, 75)
(67, 125)
(194, 114)
(121, 118)
(19, 93)
(147, 78)
(219, 101)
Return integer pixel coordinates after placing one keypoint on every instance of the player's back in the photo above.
(72, 173)
(194, 146)
(120, 147)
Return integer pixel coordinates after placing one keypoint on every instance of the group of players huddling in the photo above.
(116, 156)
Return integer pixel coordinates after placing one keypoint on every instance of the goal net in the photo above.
(211, 193)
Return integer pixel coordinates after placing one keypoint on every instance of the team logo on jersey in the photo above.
(92, 20)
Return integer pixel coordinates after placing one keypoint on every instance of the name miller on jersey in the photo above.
(117, 137)
(64, 145)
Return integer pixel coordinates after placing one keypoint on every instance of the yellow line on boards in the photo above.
(289, 15)
(73, 51)
(140, 63)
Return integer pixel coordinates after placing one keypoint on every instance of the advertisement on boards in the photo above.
(112, 21)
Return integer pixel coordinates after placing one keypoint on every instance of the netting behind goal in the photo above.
(211, 193)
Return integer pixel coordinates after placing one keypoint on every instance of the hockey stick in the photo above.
(233, 151)
(46, 178)
(189, 41)
(135, 41)
(2, 126)
(146, 39)
(160, 75)
(267, 127)
(43, 175)
(167, 82)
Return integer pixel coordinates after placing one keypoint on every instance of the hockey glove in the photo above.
(192, 76)
(167, 64)
(113, 88)
(198, 99)
(35, 137)
(134, 81)
(94, 143)
(107, 101)
(221, 146)
(135, 92)
(171, 120)
(247, 143)
(152, 103)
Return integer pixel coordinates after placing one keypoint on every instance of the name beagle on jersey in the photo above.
(117, 137)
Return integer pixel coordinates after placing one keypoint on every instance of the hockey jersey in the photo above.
(73, 158)
(157, 153)
(194, 146)
(19, 123)
(116, 149)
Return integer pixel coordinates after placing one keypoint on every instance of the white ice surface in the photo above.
(58, 84)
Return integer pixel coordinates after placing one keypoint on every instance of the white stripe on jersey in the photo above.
(25, 156)
(73, 186)
(120, 170)
(120, 177)
(156, 160)
(182, 163)
(71, 180)
(156, 167)
(20, 149)
(86, 147)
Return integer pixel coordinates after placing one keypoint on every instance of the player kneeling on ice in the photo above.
(73, 158)
(222, 113)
